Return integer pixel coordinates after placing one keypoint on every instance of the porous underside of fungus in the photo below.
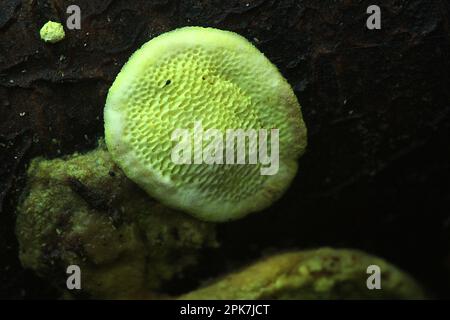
(324, 273)
(221, 80)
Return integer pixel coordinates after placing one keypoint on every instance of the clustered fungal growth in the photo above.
(221, 80)
(82, 210)
(312, 274)
(85, 210)
(52, 32)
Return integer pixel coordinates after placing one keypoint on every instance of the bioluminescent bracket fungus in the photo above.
(82, 210)
(52, 32)
(324, 273)
(212, 84)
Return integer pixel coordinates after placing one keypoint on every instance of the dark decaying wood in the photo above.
(376, 174)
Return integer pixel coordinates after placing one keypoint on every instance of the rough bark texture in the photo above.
(376, 175)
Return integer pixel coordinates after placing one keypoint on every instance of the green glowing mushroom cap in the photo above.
(52, 32)
(181, 94)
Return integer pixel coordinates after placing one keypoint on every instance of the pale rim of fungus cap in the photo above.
(216, 77)
(52, 32)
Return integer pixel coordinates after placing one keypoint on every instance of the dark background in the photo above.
(376, 103)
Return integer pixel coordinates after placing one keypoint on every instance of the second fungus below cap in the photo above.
(204, 80)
